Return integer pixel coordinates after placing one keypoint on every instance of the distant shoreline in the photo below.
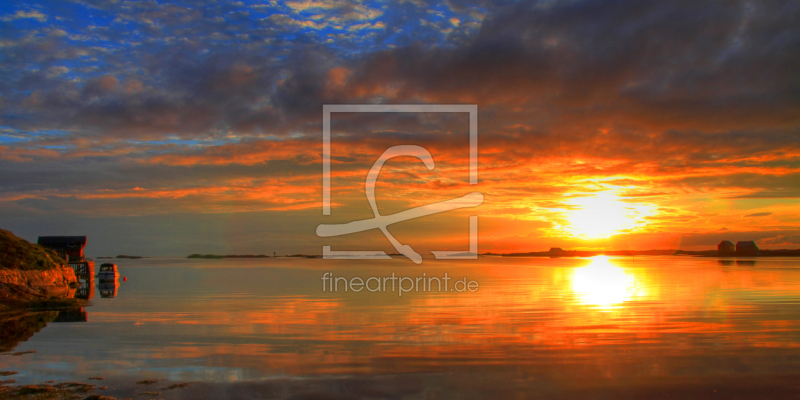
(668, 252)
(220, 256)
(121, 256)
(217, 256)
(554, 254)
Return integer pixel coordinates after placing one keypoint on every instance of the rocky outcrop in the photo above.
(32, 276)
(56, 282)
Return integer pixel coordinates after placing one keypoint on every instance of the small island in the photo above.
(218, 256)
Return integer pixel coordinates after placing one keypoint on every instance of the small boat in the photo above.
(108, 289)
(108, 272)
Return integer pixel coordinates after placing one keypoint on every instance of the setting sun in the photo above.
(603, 215)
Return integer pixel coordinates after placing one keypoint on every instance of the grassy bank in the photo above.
(18, 254)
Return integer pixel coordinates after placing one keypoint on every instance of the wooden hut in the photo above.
(556, 252)
(71, 249)
(725, 248)
(746, 248)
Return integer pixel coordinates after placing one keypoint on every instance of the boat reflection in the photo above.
(108, 289)
(605, 285)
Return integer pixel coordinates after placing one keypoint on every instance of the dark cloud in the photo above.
(676, 66)
(676, 62)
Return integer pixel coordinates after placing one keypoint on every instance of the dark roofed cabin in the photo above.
(746, 248)
(70, 247)
(726, 247)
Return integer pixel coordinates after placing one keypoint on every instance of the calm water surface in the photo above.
(534, 325)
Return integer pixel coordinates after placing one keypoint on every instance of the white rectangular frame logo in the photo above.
(327, 109)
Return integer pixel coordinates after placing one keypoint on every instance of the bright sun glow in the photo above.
(603, 284)
(604, 215)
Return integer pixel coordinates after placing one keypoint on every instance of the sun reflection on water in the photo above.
(604, 284)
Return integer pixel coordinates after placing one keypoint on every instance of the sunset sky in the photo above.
(170, 128)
